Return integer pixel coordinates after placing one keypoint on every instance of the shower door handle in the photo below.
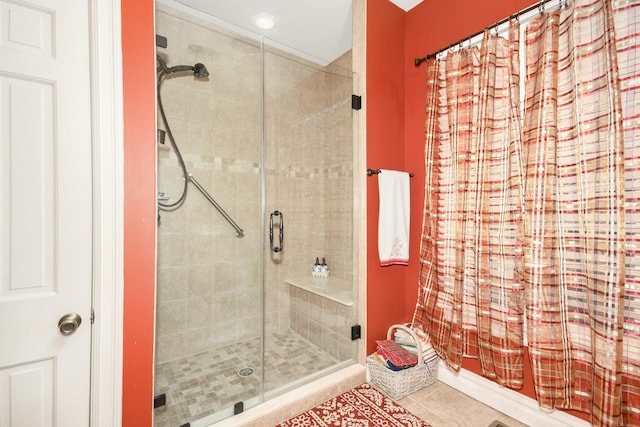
(280, 231)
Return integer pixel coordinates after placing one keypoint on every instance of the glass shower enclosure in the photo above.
(267, 140)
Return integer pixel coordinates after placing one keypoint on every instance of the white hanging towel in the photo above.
(393, 219)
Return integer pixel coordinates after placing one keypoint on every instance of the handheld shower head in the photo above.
(199, 70)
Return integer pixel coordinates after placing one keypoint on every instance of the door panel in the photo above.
(45, 212)
(28, 394)
(28, 184)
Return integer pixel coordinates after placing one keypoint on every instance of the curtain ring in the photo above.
(541, 7)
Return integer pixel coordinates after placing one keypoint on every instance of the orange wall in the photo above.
(395, 128)
(385, 149)
(139, 210)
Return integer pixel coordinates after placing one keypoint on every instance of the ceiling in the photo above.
(317, 30)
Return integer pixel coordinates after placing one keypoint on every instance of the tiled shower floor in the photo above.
(205, 383)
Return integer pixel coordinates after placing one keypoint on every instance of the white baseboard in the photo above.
(507, 401)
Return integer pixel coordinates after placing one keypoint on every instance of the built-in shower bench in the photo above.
(331, 288)
(322, 310)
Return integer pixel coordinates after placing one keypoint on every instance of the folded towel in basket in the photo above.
(396, 355)
(408, 342)
(427, 353)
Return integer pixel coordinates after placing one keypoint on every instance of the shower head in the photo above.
(199, 70)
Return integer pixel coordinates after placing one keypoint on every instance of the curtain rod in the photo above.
(540, 6)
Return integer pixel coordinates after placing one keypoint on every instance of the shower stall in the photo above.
(263, 142)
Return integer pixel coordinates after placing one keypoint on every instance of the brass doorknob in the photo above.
(69, 323)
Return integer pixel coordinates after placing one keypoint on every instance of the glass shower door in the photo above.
(208, 359)
(309, 140)
(270, 138)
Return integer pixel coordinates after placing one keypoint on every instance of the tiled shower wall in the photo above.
(209, 287)
(310, 162)
(208, 279)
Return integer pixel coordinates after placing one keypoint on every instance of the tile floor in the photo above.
(443, 406)
(207, 382)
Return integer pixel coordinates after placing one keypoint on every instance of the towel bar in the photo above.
(377, 171)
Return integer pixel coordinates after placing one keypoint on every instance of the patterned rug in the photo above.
(362, 406)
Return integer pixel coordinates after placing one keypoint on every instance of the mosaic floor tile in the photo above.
(207, 382)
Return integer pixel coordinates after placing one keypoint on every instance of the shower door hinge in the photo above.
(161, 41)
(159, 400)
(238, 408)
(356, 332)
(93, 316)
(356, 102)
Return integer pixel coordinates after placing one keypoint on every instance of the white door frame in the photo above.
(108, 195)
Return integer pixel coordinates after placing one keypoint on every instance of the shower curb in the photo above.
(280, 408)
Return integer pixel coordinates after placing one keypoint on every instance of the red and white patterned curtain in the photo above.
(547, 224)
(471, 295)
(582, 260)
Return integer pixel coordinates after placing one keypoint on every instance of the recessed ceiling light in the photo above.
(264, 21)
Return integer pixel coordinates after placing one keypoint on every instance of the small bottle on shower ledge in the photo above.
(320, 270)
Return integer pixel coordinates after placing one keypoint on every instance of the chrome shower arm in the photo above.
(239, 232)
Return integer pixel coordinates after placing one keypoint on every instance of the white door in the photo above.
(45, 212)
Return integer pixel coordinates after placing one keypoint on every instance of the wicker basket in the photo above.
(398, 384)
